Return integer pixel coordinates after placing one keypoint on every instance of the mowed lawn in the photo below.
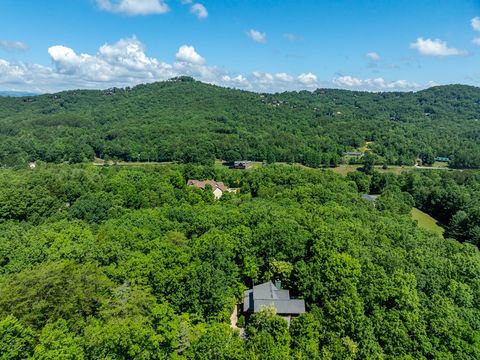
(344, 169)
(427, 222)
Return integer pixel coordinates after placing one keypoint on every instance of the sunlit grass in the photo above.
(426, 221)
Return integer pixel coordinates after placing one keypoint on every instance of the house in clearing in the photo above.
(242, 165)
(218, 188)
(267, 294)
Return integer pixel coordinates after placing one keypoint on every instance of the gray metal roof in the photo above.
(283, 307)
(267, 294)
(248, 301)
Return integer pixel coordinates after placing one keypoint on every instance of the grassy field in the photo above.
(439, 164)
(345, 169)
(426, 221)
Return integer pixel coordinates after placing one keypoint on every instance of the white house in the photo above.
(218, 188)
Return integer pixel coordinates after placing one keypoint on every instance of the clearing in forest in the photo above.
(427, 222)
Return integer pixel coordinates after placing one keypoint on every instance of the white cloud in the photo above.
(237, 81)
(373, 56)
(347, 81)
(13, 45)
(125, 63)
(435, 47)
(134, 7)
(475, 23)
(284, 77)
(282, 81)
(378, 84)
(476, 41)
(189, 55)
(292, 37)
(263, 79)
(257, 36)
(121, 62)
(307, 79)
(199, 11)
(27, 77)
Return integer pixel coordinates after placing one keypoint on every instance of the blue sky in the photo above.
(267, 45)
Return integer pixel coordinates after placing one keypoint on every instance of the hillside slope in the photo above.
(188, 121)
(140, 266)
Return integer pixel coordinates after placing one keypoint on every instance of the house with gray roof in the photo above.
(268, 294)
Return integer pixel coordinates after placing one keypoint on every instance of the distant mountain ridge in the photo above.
(17, 93)
(188, 121)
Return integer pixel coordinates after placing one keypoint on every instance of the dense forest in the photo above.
(183, 120)
(130, 263)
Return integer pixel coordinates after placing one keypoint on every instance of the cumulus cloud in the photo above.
(373, 56)
(475, 22)
(284, 77)
(29, 77)
(13, 45)
(307, 79)
(347, 81)
(189, 55)
(122, 62)
(134, 7)
(282, 81)
(435, 47)
(257, 36)
(125, 63)
(476, 41)
(199, 11)
(237, 81)
(377, 84)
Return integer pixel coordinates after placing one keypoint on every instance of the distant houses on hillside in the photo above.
(218, 187)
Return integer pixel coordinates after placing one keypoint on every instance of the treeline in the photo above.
(453, 198)
(187, 121)
(117, 263)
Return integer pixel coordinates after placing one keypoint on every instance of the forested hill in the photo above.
(130, 263)
(188, 121)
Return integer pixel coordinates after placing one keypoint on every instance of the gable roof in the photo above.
(267, 294)
(201, 184)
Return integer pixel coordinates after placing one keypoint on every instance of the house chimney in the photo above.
(278, 284)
